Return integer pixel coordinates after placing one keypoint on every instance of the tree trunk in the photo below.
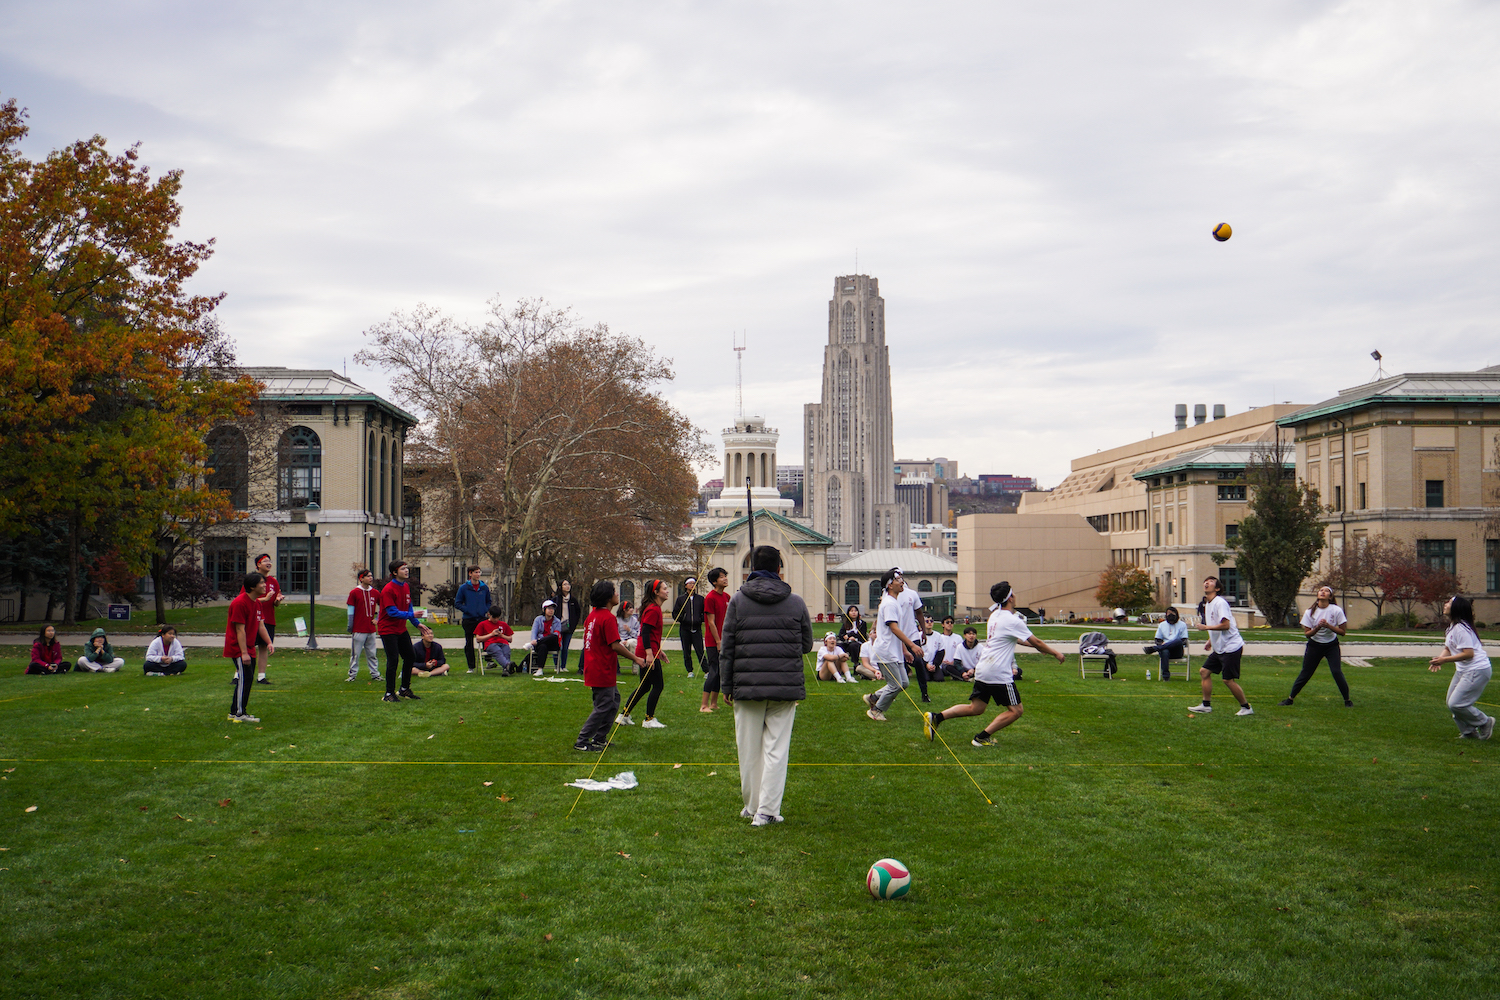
(69, 616)
(158, 571)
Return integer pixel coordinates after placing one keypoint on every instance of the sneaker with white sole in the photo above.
(651, 723)
(839, 678)
(235, 718)
(869, 697)
(1200, 709)
(247, 717)
(764, 820)
(983, 740)
(876, 714)
(1488, 729)
(1245, 710)
(928, 729)
(624, 720)
(746, 814)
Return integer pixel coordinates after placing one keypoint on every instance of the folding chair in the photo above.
(1093, 640)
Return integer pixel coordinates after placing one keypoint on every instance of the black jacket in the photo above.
(573, 611)
(688, 611)
(766, 632)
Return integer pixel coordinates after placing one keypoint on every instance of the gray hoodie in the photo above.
(766, 632)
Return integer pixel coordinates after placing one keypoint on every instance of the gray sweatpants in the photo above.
(368, 643)
(1463, 691)
(896, 680)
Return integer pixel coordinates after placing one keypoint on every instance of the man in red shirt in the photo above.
(395, 612)
(602, 650)
(244, 630)
(273, 597)
(364, 610)
(494, 636)
(715, 604)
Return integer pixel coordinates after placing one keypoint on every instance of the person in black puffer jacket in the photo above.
(767, 631)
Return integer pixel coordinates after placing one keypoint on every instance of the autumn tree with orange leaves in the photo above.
(110, 374)
(550, 439)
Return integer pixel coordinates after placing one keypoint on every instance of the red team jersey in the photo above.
(366, 605)
(394, 595)
(243, 610)
(715, 605)
(650, 638)
(268, 603)
(601, 664)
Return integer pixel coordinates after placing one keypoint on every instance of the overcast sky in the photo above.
(1033, 184)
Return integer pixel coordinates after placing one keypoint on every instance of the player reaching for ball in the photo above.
(994, 678)
(1226, 648)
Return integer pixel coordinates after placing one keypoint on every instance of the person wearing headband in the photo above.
(994, 677)
(687, 613)
(546, 637)
(653, 660)
(893, 649)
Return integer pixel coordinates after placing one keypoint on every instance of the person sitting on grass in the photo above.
(165, 656)
(46, 653)
(1171, 642)
(995, 676)
(494, 636)
(960, 666)
(866, 667)
(428, 657)
(99, 656)
(546, 637)
(934, 650)
(833, 662)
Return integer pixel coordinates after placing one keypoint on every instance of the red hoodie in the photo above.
(47, 656)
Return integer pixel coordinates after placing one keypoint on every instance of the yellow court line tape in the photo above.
(1300, 764)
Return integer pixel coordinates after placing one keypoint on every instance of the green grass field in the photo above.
(349, 848)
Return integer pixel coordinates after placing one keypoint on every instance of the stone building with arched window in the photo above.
(857, 580)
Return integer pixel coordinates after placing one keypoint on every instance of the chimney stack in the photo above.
(1200, 413)
(1181, 415)
(1218, 411)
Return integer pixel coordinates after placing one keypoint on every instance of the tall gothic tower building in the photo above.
(849, 487)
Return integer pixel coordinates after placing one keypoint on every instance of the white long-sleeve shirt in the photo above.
(155, 653)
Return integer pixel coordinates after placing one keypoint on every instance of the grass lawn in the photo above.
(349, 848)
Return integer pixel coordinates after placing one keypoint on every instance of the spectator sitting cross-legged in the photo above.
(428, 657)
(98, 655)
(46, 653)
(165, 656)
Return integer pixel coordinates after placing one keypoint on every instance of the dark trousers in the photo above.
(175, 667)
(652, 683)
(1315, 653)
(596, 726)
(567, 638)
(244, 677)
(852, 648)
(692, 638)
(546, 644)
(918, 669)
(469, 624)
(398, 645)
(711, 670)
(1171, 651)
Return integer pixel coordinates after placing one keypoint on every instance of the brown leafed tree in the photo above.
(551, 439)
(1122, 585)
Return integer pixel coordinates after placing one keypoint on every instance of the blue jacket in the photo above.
(472, 601)
(540, 623)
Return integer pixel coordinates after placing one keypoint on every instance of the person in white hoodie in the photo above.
(165, 656)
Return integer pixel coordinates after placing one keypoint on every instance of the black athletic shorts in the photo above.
(1227, 665)
(1001, 694)
(270, 631)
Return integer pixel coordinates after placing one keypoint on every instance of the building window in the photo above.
(297, 564)
(1234, 587)
(1338, 498)
(924, 587)
(385, 465)
(1492, 565)
(1434, 493)
(835, 509)
(1234, 491)
(1362, 503)
(1158, 532)
(225, 564)
(848, 326)
(1099, 522)
(229, 458)
(370, 481)
(627, 591)
(1169, 529)
(875, 595)
(396, 506)
(949, 587)
(301, 469)
(851, 593)
(1231, 532)
(1438, 553)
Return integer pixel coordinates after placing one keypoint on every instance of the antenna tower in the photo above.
(739, 377)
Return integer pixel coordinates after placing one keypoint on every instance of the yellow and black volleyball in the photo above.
(1222, 232)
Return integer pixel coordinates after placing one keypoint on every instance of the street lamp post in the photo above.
(312, 576)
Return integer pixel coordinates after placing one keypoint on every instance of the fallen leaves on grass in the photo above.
(546, 937)
(674, 767)
(460, 720)
(712, 773)
(488, 784)
(1374, 760)
(144, 808)
(622, 854)
(9, 770)
(225, 803)
(430, 737)
(504, 798)
(31, 809)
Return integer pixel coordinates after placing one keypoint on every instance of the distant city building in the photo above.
(1006, 483)
(927, 500)
(938, 538)
(933, 468)
(789, 475)
(749, 457)
(850, 488)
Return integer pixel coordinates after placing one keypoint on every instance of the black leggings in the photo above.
(1316, 652)
(918, 670)
(652, 683)
(692, 638)
(397, 645)
(469, 625)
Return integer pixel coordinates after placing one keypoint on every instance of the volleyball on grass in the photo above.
(888, 879)
(1222, 232)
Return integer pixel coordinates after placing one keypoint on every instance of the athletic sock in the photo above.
(981, 735)
(1205, 703)
(260, 677)
(937, 717)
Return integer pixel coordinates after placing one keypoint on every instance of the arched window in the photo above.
(385, 467)
(874, 594)
(849, 324)
(370, 483)
(229, 464)
(627, 591)
(851, 593)
(395, 481)
(301, 460)
(949, 587)
(924, 587)
(764, 479)
(835, 509)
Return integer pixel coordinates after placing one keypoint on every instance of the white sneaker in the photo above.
(1247, 710)
(653, 724)
(1488, 729)
(850, 678)
(1201, 709)
(111, 670)
(876, 714)
(536, 673)
(624, 720)
(746, 814)
(246, 717)
(839, 678)
(764, 820)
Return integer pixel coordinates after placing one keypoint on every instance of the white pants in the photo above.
(93, 667)
(1463, 691)
(763, 732)
(368, 642)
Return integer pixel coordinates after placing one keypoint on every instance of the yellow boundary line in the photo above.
(1300, 764)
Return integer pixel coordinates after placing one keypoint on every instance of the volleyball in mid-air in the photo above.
(1222, 232)
(888, 879)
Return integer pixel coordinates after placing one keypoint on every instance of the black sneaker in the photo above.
(927, 699)
(1149, 650)
(1348, 703)
(408, 693)
(1284, 701)
(587, 747)
(984, 740)
(263, 680)
(602, 745)
(389, 697)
